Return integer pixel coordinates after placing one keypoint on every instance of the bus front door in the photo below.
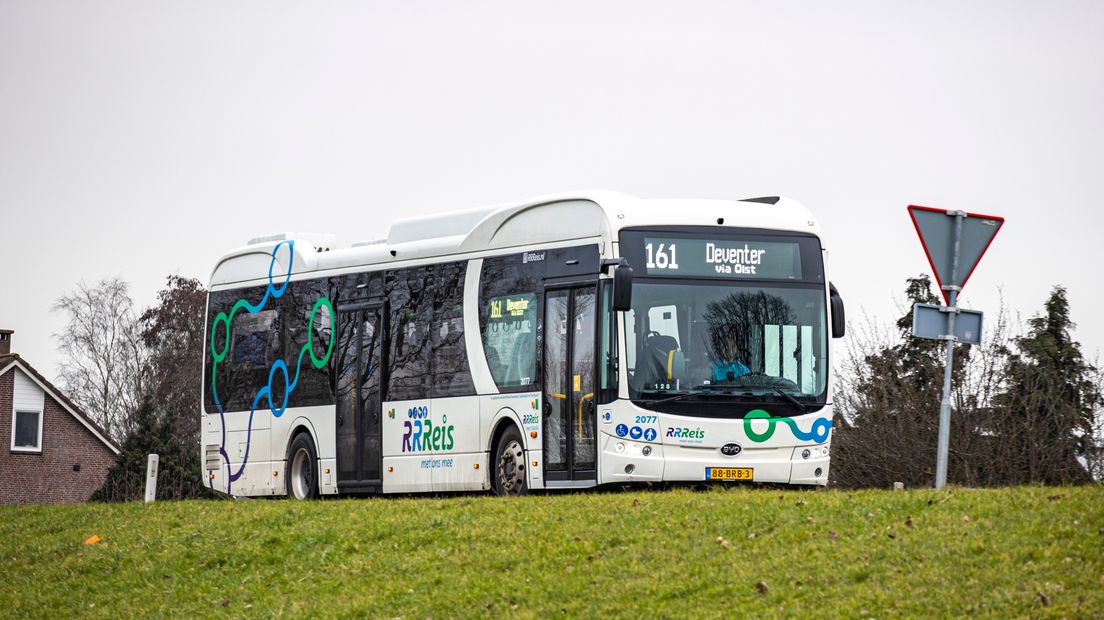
(358, 399)
(570, 422)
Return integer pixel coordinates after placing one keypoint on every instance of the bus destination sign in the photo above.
(722, 258)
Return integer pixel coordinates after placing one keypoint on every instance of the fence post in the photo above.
(151, 478)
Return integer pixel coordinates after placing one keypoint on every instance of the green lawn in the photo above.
(723, 552)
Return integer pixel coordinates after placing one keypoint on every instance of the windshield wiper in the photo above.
(790, 398)
(784, 394)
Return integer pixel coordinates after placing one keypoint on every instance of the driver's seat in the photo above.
(657, 359)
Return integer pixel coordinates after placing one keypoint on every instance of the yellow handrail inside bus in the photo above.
(579, 423)
(579, 417)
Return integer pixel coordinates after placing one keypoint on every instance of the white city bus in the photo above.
(566, 341)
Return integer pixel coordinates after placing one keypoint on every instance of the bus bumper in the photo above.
(625, 460)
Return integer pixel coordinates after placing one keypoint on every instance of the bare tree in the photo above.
(167, 420)
(886, 396)
(103, 368)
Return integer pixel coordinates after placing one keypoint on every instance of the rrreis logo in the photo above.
(743, 261)
(422, 435)
(676, 432)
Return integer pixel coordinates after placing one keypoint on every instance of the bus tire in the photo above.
(509, 477)
(302, 468)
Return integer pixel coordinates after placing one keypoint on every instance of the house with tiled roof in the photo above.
(55, 452)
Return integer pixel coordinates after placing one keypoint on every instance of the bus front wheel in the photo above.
(509, 472)
(302, 483)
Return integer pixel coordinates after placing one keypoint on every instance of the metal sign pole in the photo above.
(945, 406)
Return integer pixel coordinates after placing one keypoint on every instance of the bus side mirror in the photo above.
(622, 287)
(839, 322)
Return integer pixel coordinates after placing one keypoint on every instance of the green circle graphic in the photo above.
(759, 414)
(319, 363)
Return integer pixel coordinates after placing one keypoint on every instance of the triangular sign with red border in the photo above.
(936, 231)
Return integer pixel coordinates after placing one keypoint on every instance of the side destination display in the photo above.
(722, 258)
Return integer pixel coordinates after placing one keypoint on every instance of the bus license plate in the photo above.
(728, 473)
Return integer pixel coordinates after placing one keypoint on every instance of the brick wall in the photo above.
(48, 477)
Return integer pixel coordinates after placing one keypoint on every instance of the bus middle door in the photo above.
(570, 420)
(359, 407)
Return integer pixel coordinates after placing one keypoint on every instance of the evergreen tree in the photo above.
(1044, 416)
(152, 434)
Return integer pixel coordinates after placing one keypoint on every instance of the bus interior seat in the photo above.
(655, 357)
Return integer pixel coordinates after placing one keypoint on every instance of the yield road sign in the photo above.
(936, 228)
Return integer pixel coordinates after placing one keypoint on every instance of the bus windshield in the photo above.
(700, 347)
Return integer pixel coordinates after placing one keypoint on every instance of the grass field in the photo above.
(1030, 552)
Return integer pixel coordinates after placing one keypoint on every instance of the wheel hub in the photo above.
(511, 468)
(301, 474)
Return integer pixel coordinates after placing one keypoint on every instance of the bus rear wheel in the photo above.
(509, 472)
(302, 483)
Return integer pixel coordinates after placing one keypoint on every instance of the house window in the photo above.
(27, 431)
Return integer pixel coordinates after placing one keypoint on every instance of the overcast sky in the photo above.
(142, 139)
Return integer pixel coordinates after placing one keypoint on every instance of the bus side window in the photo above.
(448, 356)
(509, 319)
(251, 343)
(315, 386)
(607, 355)
(410, 294)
